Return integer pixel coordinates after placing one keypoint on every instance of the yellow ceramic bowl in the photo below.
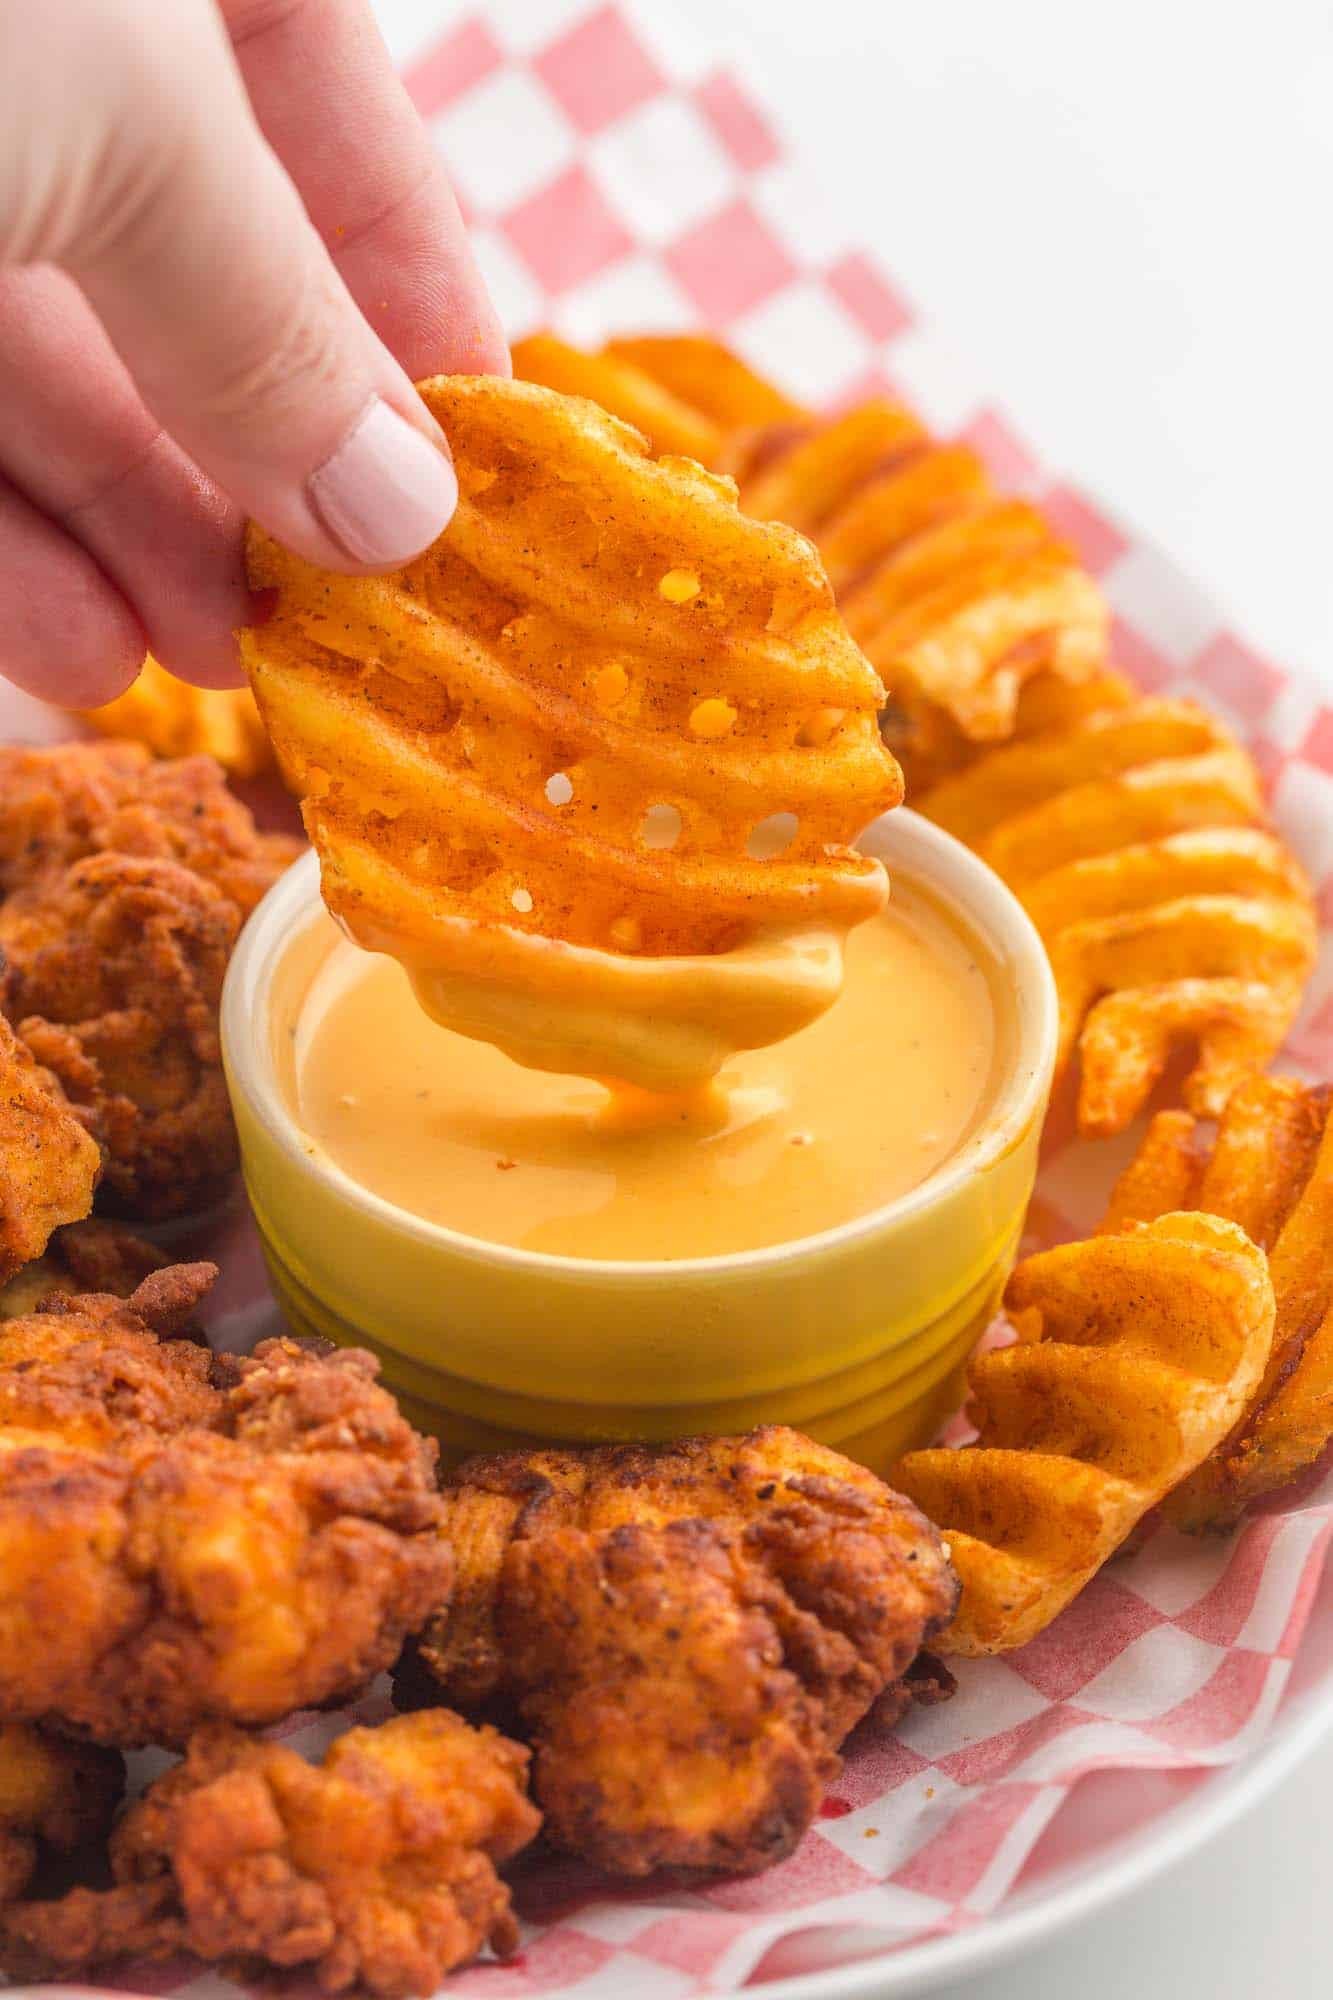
(857, 1335)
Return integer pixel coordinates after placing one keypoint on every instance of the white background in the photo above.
(1120, 213)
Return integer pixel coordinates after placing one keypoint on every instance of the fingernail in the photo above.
(387, 492)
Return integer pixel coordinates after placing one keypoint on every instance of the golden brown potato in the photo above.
(959, 598)
(1174, 916)
(688, 1631)
(1269, 1169)
(174, 719)
(376, 1868)
(480, 739)
(1135, 1355)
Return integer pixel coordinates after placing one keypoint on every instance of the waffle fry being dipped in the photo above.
(540, 764)
(1269, 1169)
(1135, 1355)
(957, 595)
(1134, 832)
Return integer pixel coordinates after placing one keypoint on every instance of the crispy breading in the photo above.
(1269, 1169)
(689, 1633)
(1175, 917)
(95, 1372)
(376, 1868)
(482, 741)
(184, 1538)
(112, 974)
(55, 1796)
(1136, 1353)
(49, 1165)
(958, 597)
(58, 805)
(175, 719)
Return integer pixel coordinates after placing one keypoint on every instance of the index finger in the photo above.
(331, 105)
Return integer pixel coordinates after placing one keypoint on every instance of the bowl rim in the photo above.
(945, 869)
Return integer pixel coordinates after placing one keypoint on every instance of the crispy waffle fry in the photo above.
(535, 761)
(177, 720)
(958, 597)
(1270, 1170)
(1134, 835)
(686, 393)
(1136, 1353)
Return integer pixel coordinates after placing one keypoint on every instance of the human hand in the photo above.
(226, 249)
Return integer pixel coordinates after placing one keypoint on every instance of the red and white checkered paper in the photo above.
(615, 178)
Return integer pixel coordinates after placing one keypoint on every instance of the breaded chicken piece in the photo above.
(99, 1373)
(184, 1537)
(113, 972)
(58, 805)
(91, 1255)
(688, 1632)
(376, 1868)
(54, 1796)
(48, 1164)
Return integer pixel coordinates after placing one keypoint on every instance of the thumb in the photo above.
(194, 249)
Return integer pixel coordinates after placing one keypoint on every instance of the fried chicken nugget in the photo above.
(376, 1868)
(58, 805)
(174, 719)
(689, 1633)
(54, 1797)
(1269, 1169)
(183, 1538)
(112, 974)
(49, 1165)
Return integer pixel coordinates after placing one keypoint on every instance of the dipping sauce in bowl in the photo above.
(858, 1108)
(819, 1240)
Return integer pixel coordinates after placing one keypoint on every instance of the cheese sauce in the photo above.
(851, 1112)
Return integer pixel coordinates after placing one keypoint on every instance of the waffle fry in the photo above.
(958, 597)
(177, 720)
(1270, 1170)
(1134, 835)
(1135, 1355)
(536, 759)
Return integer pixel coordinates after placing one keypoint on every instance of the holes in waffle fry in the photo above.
(772, 836)
(533, 642)
(610, 685)
(522, 902)
(559, 788)
(819, 728)
(712, 717)
(660, 828)
(678, 586)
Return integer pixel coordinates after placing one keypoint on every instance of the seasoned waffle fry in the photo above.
(1136, 1353)
(534, 762)
(669, 424)
(1133, 834)
(958, 598)
(1270, 1170)
(177, 720)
